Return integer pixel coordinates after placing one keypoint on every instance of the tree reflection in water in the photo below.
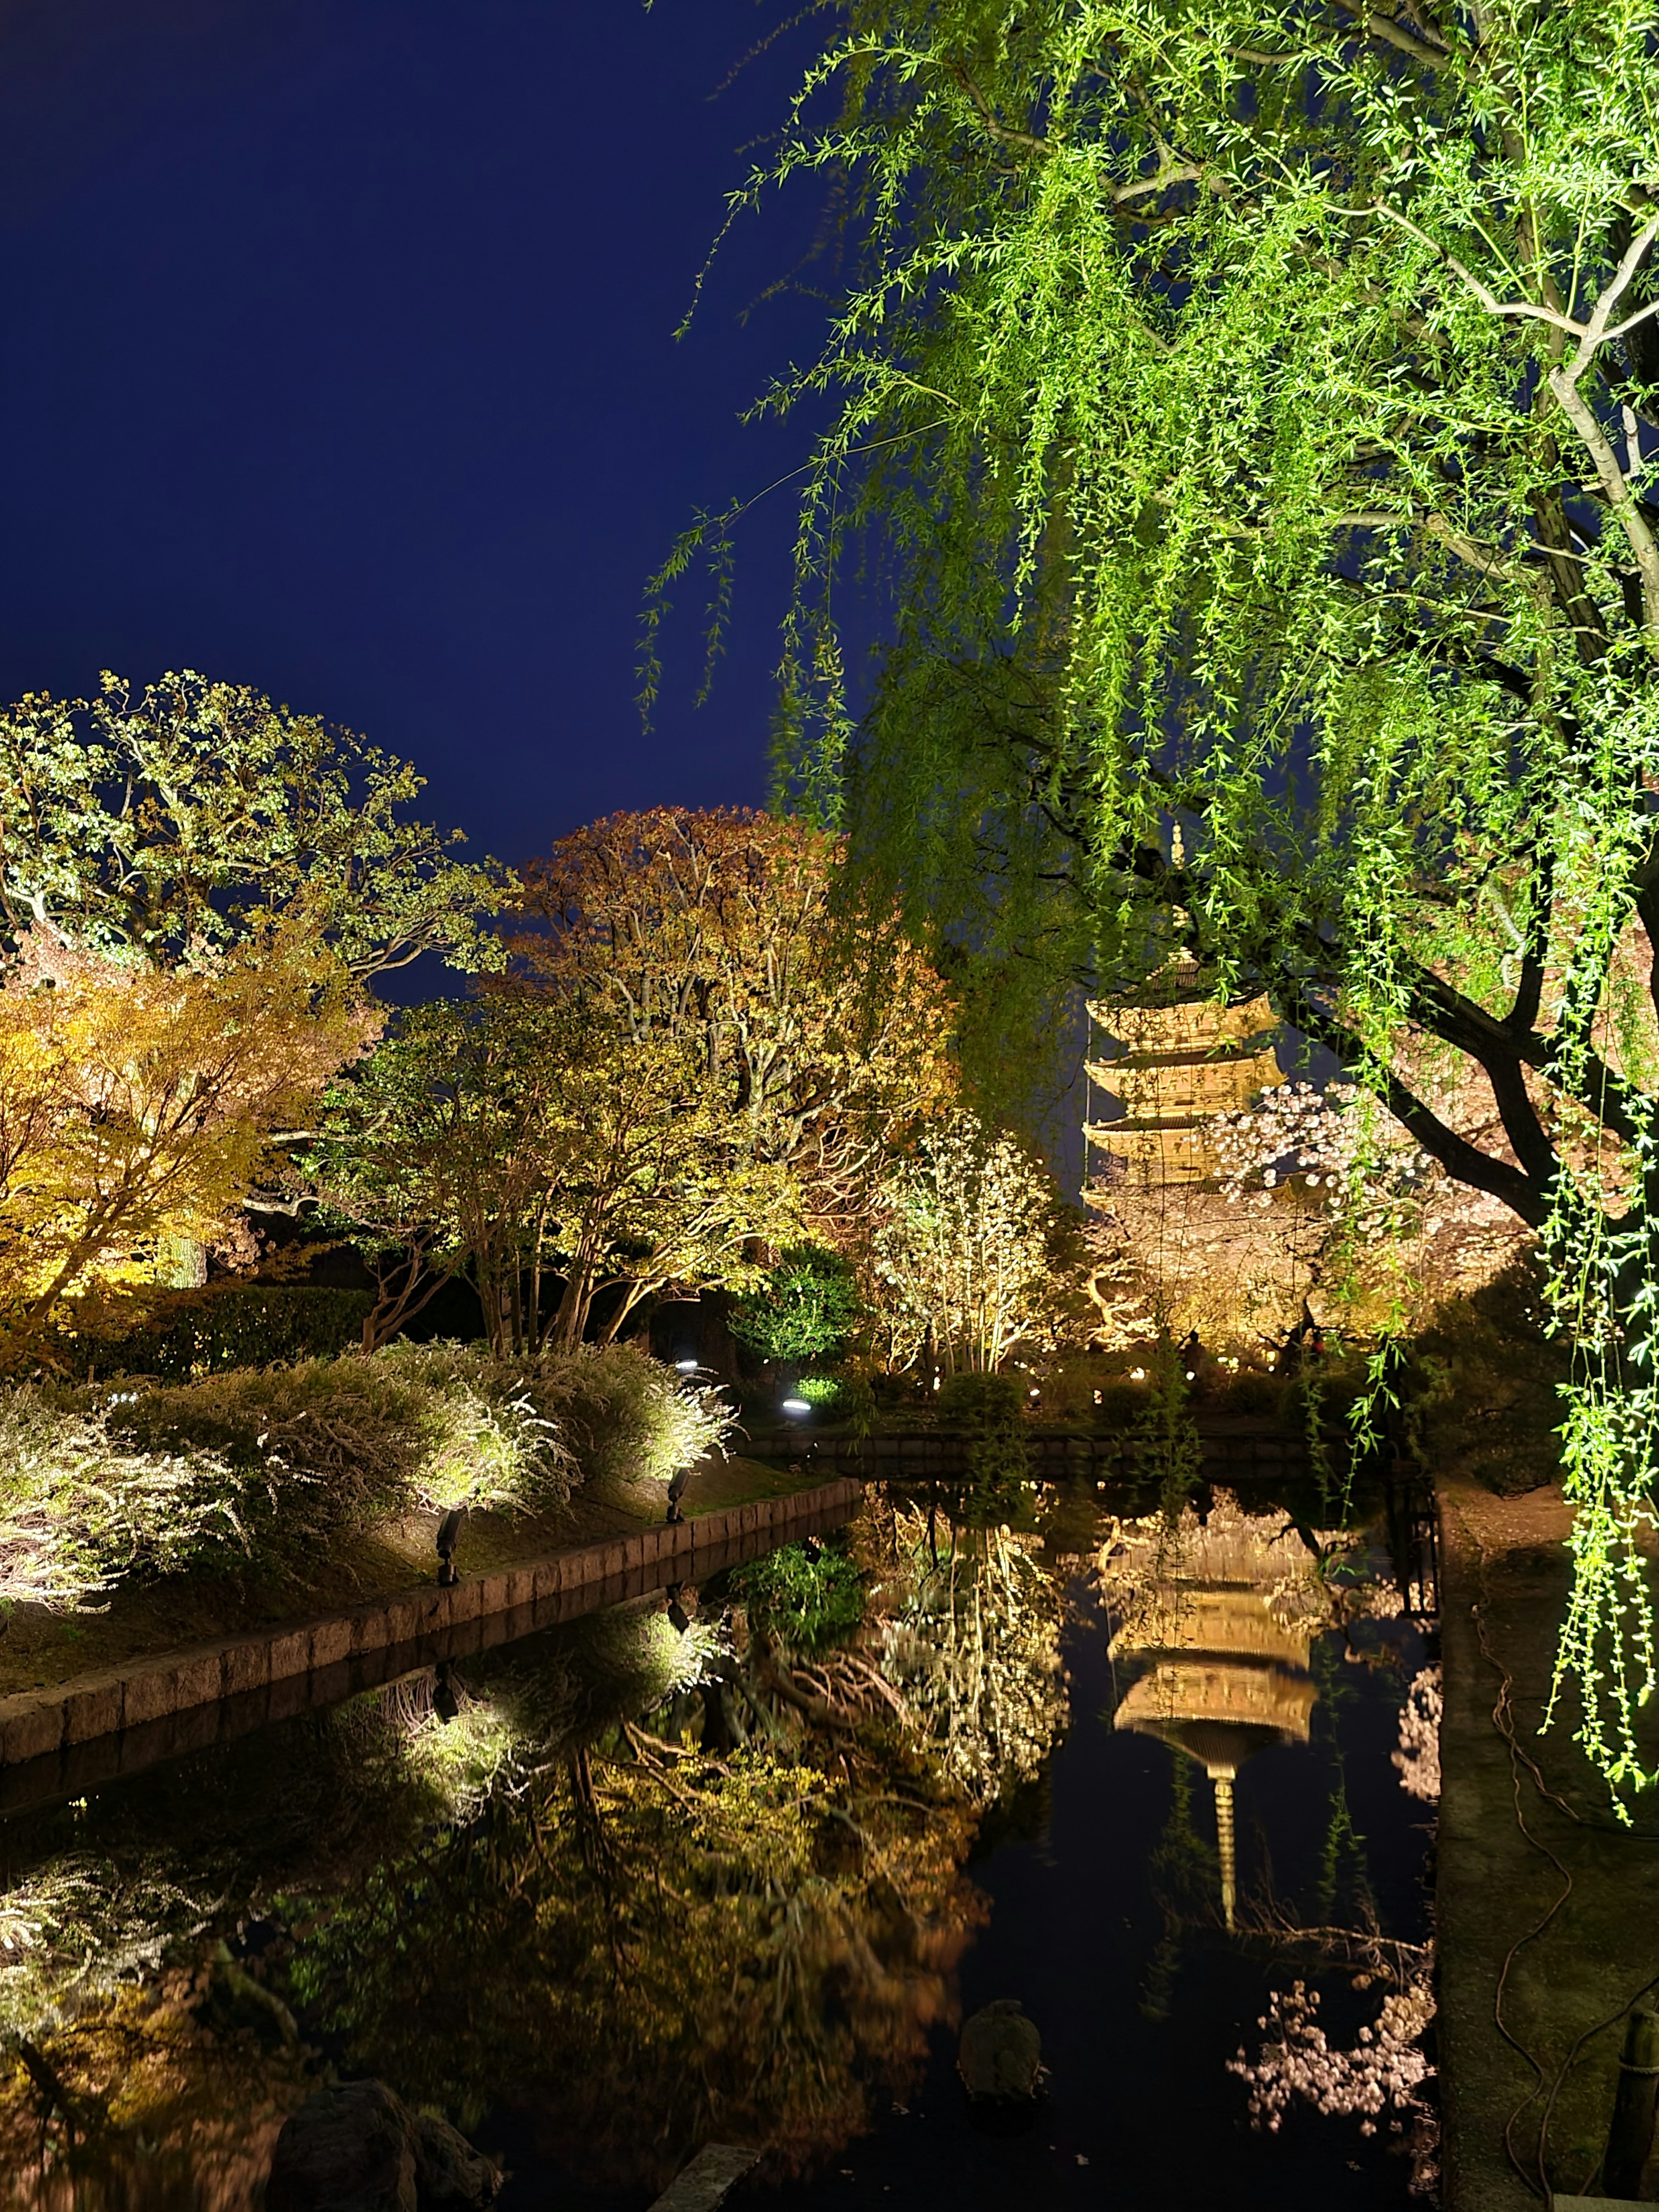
(648, 1884)
(1227, 1619)
(692, 1869)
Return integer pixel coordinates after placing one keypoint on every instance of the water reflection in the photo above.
(712, 1866)
(1222, 1613)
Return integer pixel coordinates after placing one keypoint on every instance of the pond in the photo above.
(735, 1864)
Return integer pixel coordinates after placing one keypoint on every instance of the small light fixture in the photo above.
(1137, 1375)
(686, 1366)
(795, 1408)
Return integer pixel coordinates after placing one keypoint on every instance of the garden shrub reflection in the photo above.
(684, 1870)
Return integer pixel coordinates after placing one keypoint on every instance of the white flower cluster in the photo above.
(1386, 2068)
(1298, 1129)
(1418, 1755)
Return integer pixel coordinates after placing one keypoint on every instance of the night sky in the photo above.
(339, 361)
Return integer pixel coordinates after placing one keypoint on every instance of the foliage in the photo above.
(185, 1334)
(1256, 404)
(630, 1417)
(534, 1141)
(818, 1028)
(138, 1106)
(805, 1309)
(965, 1244)
(257, 1468)
(1418, 1759)
(807, 1596)
(739, 1937)
(80, 1508)
(971, 1641)
(1382, 2073)
(195, 817)
(443, 1150)
(990, 1411)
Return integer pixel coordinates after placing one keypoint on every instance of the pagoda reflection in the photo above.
(1220, 1615)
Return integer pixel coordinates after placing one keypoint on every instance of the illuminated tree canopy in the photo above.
(1252, 405)
(195, 815)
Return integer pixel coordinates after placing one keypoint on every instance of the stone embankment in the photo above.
(64, 1741)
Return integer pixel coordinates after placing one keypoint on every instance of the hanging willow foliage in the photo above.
(1248, 407)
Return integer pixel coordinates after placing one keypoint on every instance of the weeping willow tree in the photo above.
(1247, 408)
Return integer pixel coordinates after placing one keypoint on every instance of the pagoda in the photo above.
(1225, 1671)
(1184, 1060)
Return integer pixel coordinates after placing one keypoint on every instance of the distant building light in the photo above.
(795, 1408)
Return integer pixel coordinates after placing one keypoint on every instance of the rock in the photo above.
(357, 2148)
(999, 2057)
(347, 2149)
(449, 2174)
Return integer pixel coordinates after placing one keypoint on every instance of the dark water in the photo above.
(738, 1873)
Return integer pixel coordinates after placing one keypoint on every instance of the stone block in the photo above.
(369, 1628)
(195, 1677)
(403, 1620)
(287, 1654)
(150, 1696)
(245, 1666)
(330, 1641)
(35, 1731)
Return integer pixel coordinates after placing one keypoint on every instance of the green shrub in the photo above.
(78, 1509)
(189, 1334)
(807, 1601)
(820, 1390)
(629, 1416)
(977, 1401)
(990, 1411)
(804, 1310)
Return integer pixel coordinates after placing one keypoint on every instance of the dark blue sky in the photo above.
(339, 362)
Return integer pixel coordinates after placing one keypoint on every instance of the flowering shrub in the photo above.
(1418, 1756)
(1383, 2072)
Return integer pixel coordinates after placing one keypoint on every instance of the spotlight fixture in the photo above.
(795, 1408)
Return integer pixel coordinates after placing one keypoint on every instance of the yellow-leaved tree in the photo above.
(137, 1103)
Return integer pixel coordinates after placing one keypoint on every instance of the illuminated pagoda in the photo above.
(1226, 1671)
(1184, 1060)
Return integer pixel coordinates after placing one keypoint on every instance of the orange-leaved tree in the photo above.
(814, 1029)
